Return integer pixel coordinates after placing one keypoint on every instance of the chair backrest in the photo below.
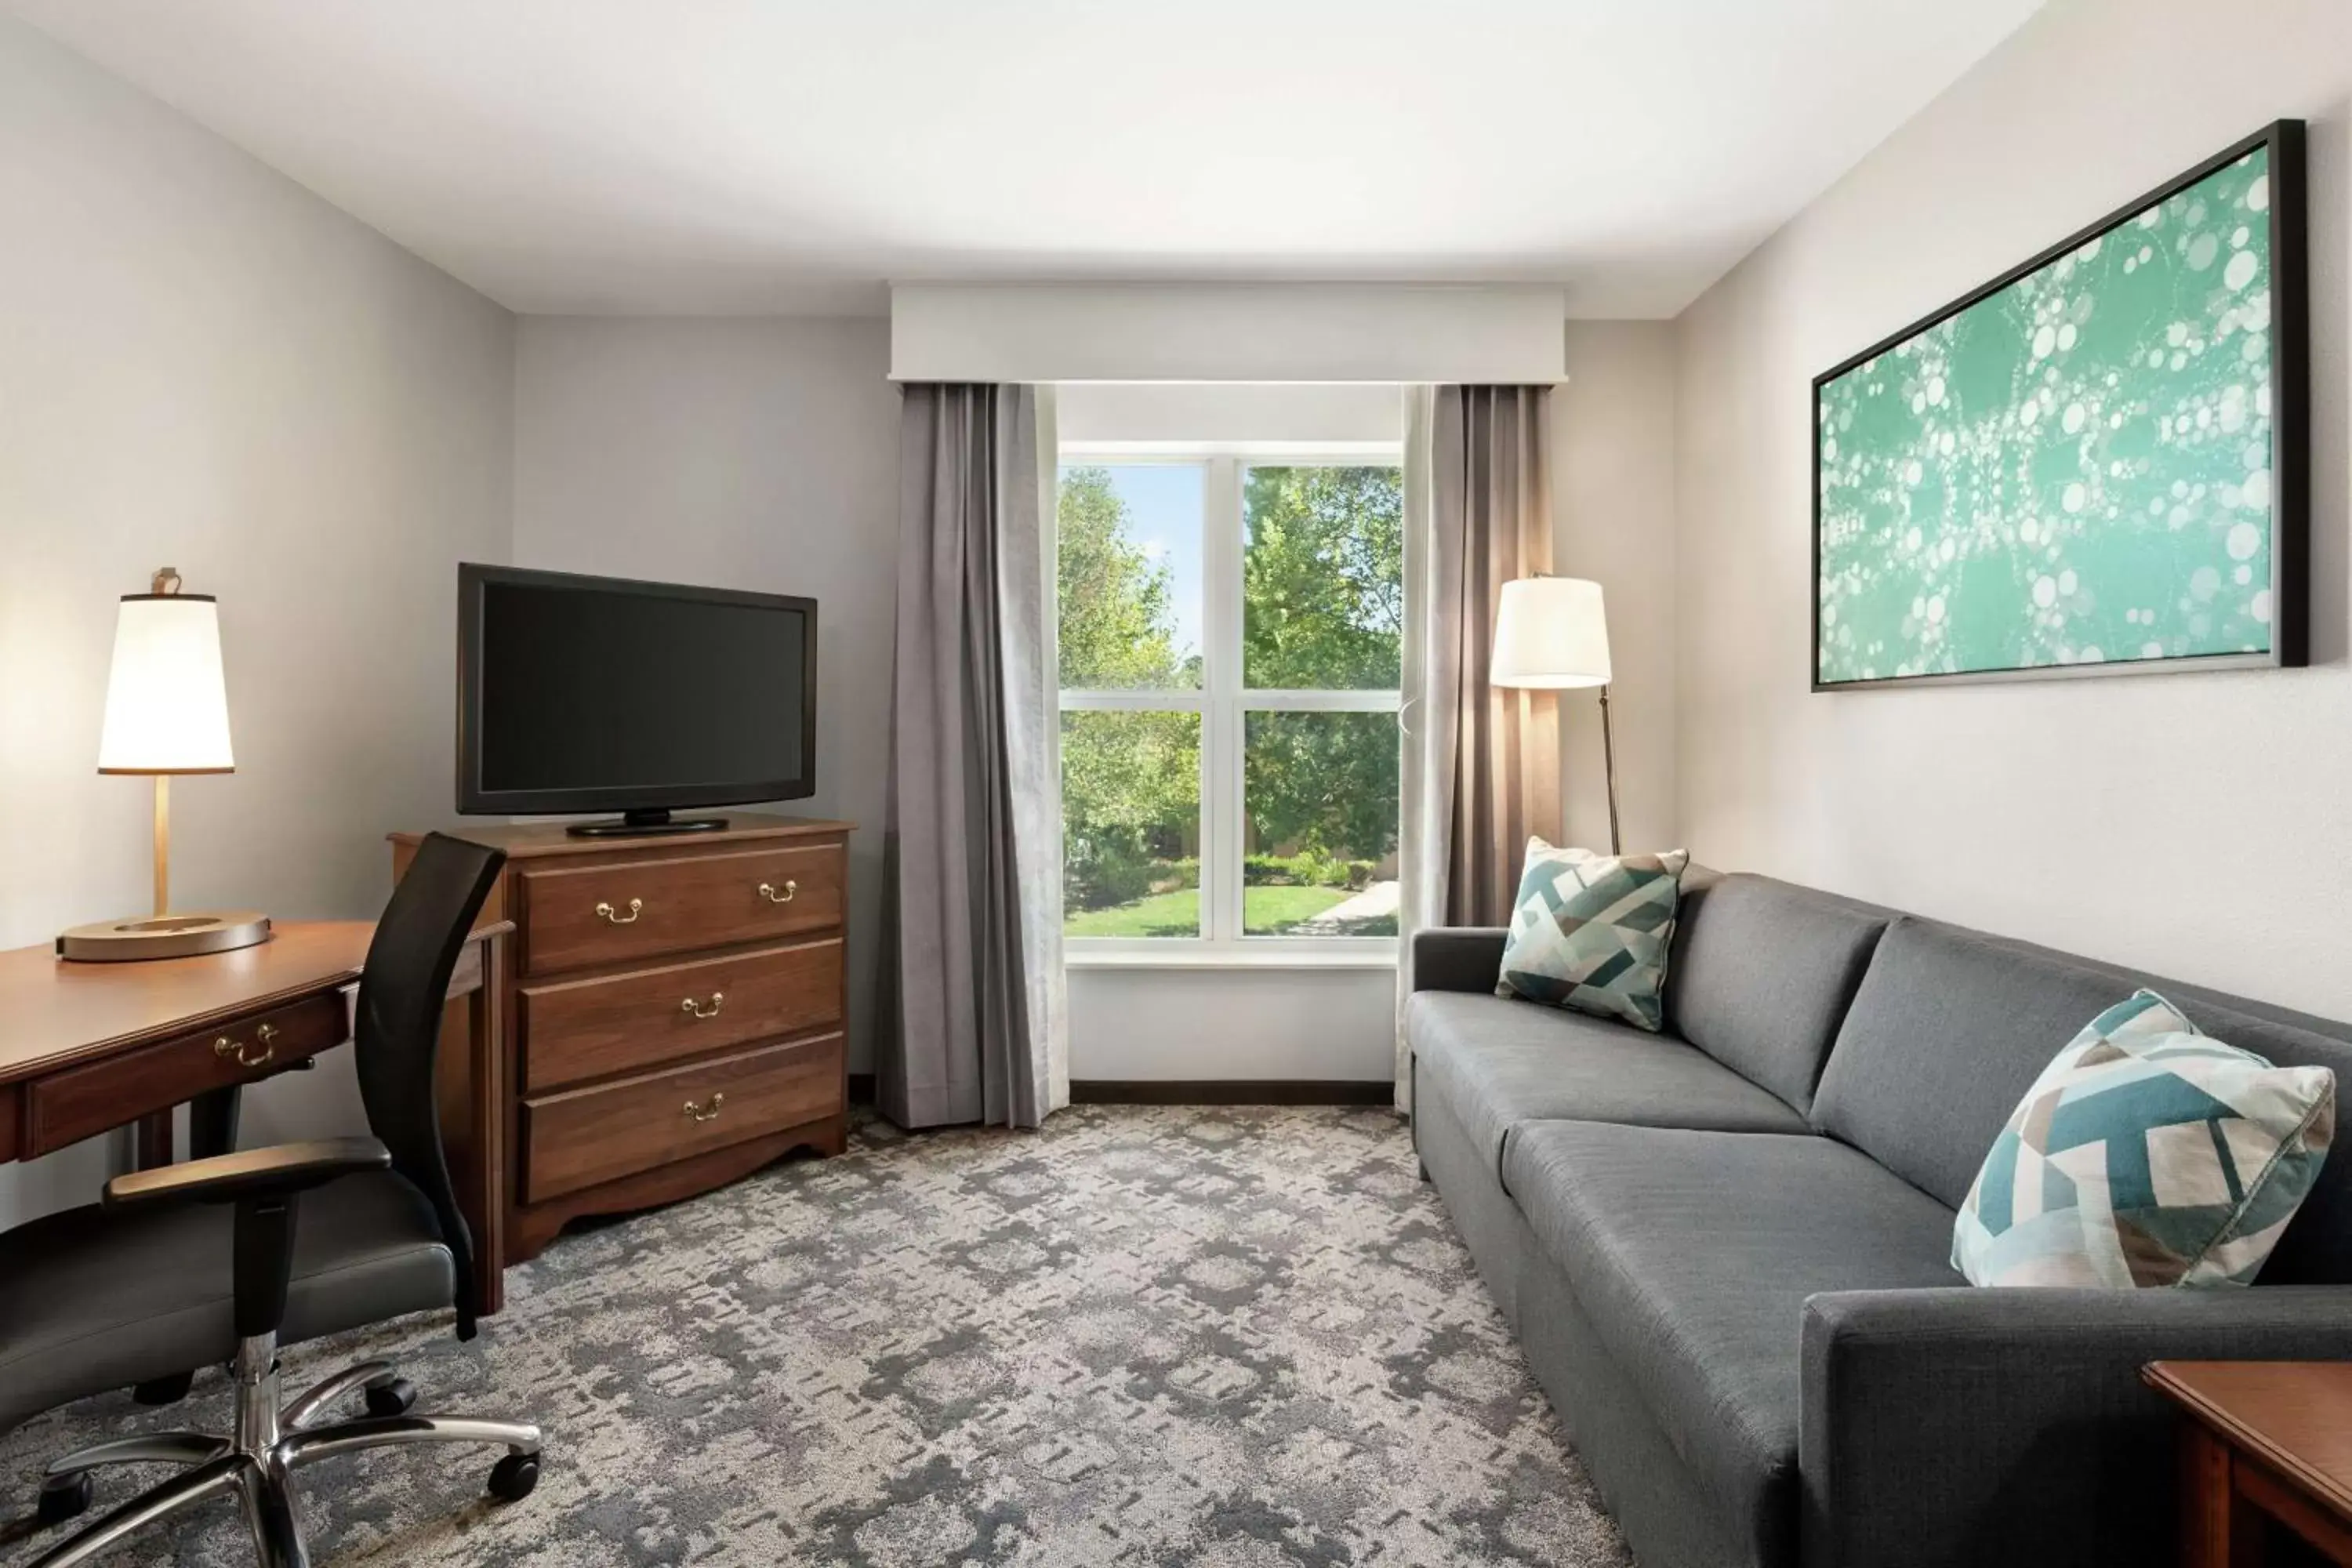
(397, 1037)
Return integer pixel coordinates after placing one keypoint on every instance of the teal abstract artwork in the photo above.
(2079, 469)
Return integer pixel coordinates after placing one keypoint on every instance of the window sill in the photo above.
(1383, 957)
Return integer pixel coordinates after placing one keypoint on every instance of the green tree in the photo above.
(1130, 781)
(1118, 627)
(1323, 578)
(1323, 606)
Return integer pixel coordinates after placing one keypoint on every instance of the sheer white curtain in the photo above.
(1428, 713)
(1026, 592)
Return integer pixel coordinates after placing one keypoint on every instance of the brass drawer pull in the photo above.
(227, 1048)
(689, 1005)
(768, 891)
(607, 912)
(706, 1112)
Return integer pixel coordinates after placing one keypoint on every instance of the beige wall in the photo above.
(2192, 824)
(759, 453)
(203, 365)
(1613, 515)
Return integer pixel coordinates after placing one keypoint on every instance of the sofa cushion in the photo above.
(1497, 1063)
(1692, 1253)
(1763, 972)
(2146, 1154)
(1950, 1027)
(1593, 932)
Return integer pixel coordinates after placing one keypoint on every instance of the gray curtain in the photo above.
(1481, 764)
(968, 1020)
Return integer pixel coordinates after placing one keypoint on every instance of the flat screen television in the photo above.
(593, 694)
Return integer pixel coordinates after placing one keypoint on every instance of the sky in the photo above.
(1164, 502)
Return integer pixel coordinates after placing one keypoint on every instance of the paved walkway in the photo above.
(1381, 901)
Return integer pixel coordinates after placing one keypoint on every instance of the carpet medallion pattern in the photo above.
(1152, 1336)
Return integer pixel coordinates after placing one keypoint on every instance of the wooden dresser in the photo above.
(672, 1010)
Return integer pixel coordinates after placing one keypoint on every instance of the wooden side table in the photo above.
(2261, 1441)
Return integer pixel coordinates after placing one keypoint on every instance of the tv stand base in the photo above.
(645, 824)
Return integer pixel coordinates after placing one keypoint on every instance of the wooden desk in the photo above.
(2261, 1441)
(85, 1047)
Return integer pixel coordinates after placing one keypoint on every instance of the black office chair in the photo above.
(205, 1262)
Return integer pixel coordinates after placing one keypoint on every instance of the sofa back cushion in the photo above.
(1762, 975)
(1950, 1027)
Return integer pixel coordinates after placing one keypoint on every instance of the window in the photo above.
(1231, 631)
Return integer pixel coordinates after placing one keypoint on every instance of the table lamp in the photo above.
(1552, 634)
(166, 713)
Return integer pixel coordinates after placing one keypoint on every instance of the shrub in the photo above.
(1097, 874)
(1310, 868)
(1264, 870)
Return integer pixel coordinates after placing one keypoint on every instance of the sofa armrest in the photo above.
(1457, 958)
(1951, 1426)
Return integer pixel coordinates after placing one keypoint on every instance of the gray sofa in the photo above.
(1724, 1249)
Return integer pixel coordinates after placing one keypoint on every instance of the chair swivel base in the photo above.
(256, 1465)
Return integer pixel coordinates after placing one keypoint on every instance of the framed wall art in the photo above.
(2097, 462)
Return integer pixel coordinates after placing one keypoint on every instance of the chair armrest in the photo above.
(252, 1172)
(1952, 1427)
(1457, 958)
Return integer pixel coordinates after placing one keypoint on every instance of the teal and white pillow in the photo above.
(1591, 931)
(2145, 1154)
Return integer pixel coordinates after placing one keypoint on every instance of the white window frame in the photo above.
(1222, 703)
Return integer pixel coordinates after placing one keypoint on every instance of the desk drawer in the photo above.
(580, 1138)
(66, 1107)
(575, 1031)
(611, 913)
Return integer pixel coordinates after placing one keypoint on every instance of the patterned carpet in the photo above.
(1238, 1338)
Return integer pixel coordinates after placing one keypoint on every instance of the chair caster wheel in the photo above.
(63, 1496)
(393, 1398)
(512, 1478)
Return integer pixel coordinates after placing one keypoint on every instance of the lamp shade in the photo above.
(1550, 632)
(166, 701)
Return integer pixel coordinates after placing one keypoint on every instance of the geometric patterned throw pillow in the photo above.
(2145, 1154)
(1590, 932)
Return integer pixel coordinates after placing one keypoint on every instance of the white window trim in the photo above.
(1222, 703)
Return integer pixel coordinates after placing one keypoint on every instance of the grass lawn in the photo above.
(1264, 910)
(1162, 914)
(1270, 912)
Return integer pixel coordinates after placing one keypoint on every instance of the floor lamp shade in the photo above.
(167, 700)
(1550, 632)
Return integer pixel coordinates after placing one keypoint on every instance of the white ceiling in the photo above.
(791, 155)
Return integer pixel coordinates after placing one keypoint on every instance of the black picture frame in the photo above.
(2291, 421)
(473, 800)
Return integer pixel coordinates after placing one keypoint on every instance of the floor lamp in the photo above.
(1552, 634)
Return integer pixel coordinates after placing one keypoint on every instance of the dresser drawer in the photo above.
(584, 1136)
(575, 1030)
(68, 1107)
(609, 914)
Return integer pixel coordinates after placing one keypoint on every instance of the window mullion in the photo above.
(1220, 792)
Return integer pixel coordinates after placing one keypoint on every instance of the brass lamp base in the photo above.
(162, 936)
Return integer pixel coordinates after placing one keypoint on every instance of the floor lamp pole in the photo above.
(1609, 758)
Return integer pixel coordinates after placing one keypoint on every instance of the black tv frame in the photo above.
(645, 810)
